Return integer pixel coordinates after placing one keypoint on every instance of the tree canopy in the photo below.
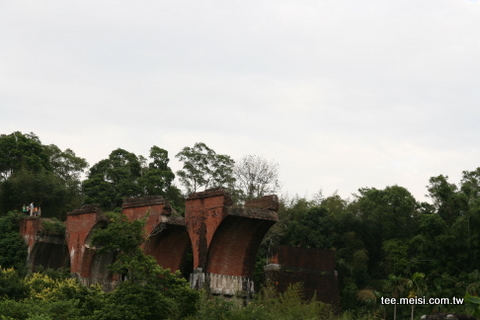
(124, 174)
(203, 168)
(43, 174)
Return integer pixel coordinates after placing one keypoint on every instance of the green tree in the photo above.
(12, 285)
(157, 177)
(383, 215)
(125, 174)
(13, 250)
(396, 285)
(204, 168)
(134, 301)
(315, 229)
(416, 286)
(112, 179)
(21, 151)
(46, 175)
(448, 202)
(158, 292)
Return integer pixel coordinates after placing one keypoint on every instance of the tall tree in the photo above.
(203, 168)
(385, 214)
(44, 174)
(21, 151)
(255, 177)
(449, 203)
(396, 285)
(417, 286)
(112, 179)
(124, 174)
(157, 177)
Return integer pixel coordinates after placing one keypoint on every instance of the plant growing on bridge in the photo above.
(146, 283)
(53, 227)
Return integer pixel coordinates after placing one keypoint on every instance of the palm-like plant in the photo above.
(416, 286)
(396, 285)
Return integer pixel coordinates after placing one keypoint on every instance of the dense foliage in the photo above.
(42, 174)
(13, 250)
(387, 243)
(124, 174)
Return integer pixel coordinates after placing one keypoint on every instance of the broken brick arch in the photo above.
(234, 246)
(49, 251)
(222, 239)
(168, 242)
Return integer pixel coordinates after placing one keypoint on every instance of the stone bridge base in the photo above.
(223, 285)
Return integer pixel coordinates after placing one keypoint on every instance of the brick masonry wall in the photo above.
(315, 268)
(224, 240)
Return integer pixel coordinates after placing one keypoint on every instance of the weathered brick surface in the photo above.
(169, 246)
(29, 229)
(315, 268)
(266, 203)
(234, 247)
(46, 251)
(204, 211)
(79, 226)
(151, 207)
(223, 239)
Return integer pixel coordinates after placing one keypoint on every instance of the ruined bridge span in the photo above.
(222, 238)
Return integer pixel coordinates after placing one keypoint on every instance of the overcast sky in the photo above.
(341, 94)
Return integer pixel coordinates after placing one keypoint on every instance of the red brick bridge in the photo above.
(221, 239)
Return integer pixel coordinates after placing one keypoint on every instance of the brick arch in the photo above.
(100, 224)
(235, 244)
(169, 244)
(49, 253)
(94, 268)
(80, 225)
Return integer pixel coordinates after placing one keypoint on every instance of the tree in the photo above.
(65, 164)
(149, 292)
(124, 174)
(46, 175)
(13, 250)
(204, 168)
(383, 215)
(448, 202)
(21, 151)
(417, 286)
(316, 228)
(157, 177)
(255, 177)
(112, 179)
(396, 286)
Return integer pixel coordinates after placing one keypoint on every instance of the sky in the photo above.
(341, 94)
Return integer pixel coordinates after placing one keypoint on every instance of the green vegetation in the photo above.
(203, 168)
(388, 245)
(53, 227)
(13, 250)
(43, 174)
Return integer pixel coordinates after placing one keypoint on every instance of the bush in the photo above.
(11, 285)
(53, 227)
(13, 250)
